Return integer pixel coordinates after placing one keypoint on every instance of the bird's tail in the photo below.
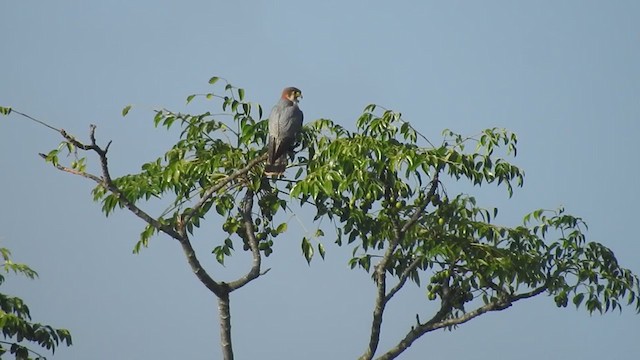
(277, 161)
(274, 169)
(271, 150)
(277, 167)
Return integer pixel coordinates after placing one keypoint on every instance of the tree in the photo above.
(383, 189)
(15, 320)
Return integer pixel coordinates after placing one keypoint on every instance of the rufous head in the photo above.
(292, 94)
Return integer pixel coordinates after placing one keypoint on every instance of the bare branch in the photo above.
(95, 178)
(439, 321)
(35, 120)
(378, 311)
(403, 278)
(532, 293)
(108, 184)
(217, 288)
(224, 312)
(246, 209)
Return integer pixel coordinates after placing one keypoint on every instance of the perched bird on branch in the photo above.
(285, 123)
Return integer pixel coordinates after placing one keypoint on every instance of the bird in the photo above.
(285, 122)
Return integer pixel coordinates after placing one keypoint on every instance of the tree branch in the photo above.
(378, 311)
(381, 268)
(380, 275)
(246, 210)
(403, 278)
(198, 270)
(107, 183)
(439, 321)
(35, 120)
(432, 190)
(212, 190)
(381, 302)
(224, 312)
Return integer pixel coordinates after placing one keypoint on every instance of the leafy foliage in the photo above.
(383, 187)
(385, 193)
(15, 320)
(196, 170)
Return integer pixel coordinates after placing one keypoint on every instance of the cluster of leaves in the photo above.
(385, 194)
(197, 172)
(15, 320)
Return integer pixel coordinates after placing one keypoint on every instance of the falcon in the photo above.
(285, 123)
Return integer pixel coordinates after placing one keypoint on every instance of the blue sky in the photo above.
(563, 75)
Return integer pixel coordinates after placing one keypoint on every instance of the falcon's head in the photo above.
(292, 94)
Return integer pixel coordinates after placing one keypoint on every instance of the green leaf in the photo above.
(5, 110)
(214, 80)
(190, 97)
(321, 250)
(365, 262)
(241, 94)
(307, 250)
(15, 319)
(52, 157)
(281, 228)
(125, 110)
(577, 300)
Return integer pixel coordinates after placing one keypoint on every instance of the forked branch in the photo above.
(382, 297)
(440, 321)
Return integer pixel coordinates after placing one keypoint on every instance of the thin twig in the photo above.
(36, 120)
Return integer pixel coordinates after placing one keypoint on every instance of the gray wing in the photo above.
(275, 120)
(290, 121)
(271, 149)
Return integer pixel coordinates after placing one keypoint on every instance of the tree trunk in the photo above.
(225, 326)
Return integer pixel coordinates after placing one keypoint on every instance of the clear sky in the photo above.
(564, 75)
